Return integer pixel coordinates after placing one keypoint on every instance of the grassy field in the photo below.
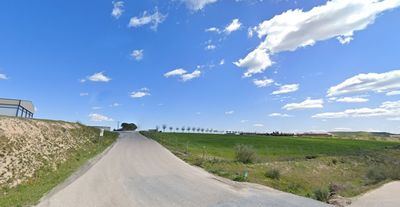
(305, 166)
(46, 178)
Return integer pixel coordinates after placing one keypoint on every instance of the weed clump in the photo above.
(273, 174)
(321, 195)
(245, 153)
(376, 175)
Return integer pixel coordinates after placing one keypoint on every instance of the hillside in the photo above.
(36, 155)
(384, 136)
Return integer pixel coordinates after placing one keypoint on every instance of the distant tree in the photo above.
(171, 128)
(193, 129)
(211, 130)
(177, 129)
(128, 127)
(188, 129)
(198, 129)
(202, 130)
(164, 127)
(157, 128)
(183, 129)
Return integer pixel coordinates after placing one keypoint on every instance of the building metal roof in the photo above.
(28, 105)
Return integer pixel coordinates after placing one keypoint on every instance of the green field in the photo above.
(303, 164)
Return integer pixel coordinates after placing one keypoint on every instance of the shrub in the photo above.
(376, 175)
(245, 153)
(321, 195)
(240, 178)
(310, 157)
(273, 174)
(334, 161)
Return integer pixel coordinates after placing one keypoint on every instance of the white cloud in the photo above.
(155, 19)
(279, 115)
(140, 93)
(369, 82)
(3, 77)
(258, 125)
(210, 47)
(190, 76)
(288, 88)
(99, 118)
(244, 121)
(307, 104)
(229, 112)
(233, 26)
(118, 9)
(137, 54)
(176, 72)
(337, 18)
(83, 94)
(352, 100)
(222, 62)
(99, 77)
(393, 93)
(115, 104)
(386, 109)
(96, 108)
(344, 40)
(197, 4)
(294, 29)
(255, 62)
(213, 29)
(260, 83)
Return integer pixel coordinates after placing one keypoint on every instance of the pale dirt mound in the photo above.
(27, 145)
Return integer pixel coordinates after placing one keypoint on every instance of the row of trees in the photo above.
(164, 128)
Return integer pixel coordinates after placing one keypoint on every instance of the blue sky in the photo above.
(229, 65)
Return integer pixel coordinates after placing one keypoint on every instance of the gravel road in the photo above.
(138, 171)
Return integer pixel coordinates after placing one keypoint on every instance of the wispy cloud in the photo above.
(137, 54)
(233, 26)
(98, 77)
(260, 83)
(368, 82)
(289, 88)
(154, 19)
(386, 109)
(307, 104)
(99, 118)
(352, 100)
(279, 115)
(118, 9)
(183, 74)
(140, 93)
(83, 94)
(3, 76)
(196, 5)
(229, 112)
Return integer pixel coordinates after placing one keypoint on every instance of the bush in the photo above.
(240, 178)
(321, 195)
(376, 175)
(310, 157)
(273, 174)
(245, 153)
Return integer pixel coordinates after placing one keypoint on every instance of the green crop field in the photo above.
(300, 165)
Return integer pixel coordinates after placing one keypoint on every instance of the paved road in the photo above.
(386, 196)
(138, 171)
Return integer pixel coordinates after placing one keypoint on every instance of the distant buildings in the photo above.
(16, 108)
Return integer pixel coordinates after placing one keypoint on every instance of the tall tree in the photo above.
(164, 126)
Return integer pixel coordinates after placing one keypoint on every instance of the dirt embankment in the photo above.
(28, 145)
